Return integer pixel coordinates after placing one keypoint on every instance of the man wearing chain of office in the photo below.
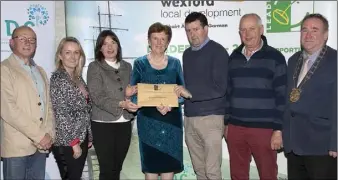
(310, 125)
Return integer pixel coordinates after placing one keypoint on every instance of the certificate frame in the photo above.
(152, 95)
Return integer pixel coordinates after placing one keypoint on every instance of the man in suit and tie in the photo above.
(310, 125)
(27, 126)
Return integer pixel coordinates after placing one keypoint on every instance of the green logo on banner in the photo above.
(280, 16)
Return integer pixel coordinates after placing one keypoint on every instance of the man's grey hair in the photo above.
(258, 18)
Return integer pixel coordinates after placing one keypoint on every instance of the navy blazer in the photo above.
(310, 124)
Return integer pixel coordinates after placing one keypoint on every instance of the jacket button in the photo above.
(39, 103)
(120, 88)
(118, 79)
(41, 119)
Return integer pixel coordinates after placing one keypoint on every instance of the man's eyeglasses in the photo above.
(24, 39)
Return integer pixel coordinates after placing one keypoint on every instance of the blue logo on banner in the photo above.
(38, 13)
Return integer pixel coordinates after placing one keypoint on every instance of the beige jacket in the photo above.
(21, 123)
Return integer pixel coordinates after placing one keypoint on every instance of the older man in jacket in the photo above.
(27, 127)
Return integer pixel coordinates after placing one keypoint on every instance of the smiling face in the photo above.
(23, 42)
(70, 55)
(250, 31)
(158, 42)
(109, 48)
(313, 35)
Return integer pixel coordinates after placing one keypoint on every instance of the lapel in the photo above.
(316, 72)
(295, 79)
(17, 66)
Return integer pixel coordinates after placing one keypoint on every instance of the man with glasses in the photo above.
(26, 113)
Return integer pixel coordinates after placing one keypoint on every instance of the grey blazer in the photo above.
(107, 88)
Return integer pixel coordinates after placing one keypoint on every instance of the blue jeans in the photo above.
(31, 167)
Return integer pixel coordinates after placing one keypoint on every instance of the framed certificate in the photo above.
(151, 95)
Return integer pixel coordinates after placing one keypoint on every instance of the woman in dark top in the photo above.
(71, 105)
(108, 79)
(159, 128)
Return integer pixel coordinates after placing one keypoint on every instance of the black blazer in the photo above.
(310, 124)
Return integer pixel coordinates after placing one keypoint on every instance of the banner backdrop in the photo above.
(40, 15)
(130, 20)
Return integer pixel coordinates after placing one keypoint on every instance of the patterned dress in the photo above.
(160, 137)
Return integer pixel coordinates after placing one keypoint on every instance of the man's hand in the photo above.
(46, 142)
(181, 91)
(333, 154)
(226, 132)
(276, 140)
(77, 151)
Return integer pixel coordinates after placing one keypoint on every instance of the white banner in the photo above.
(40, 15)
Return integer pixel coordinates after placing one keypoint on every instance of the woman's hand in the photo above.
(163, 109)
(77, 151)
(131, 90)
(129, 106)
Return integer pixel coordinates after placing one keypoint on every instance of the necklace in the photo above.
(158, 64)
(296, 91)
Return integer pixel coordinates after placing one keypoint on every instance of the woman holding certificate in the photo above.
(159, 128)
(108, 77)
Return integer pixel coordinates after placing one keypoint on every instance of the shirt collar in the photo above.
(22, 62)
(311, 57)
(253, 52)
(201, 46)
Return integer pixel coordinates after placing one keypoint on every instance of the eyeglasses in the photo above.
(24, 39)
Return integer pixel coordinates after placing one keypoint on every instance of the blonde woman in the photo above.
(72, 106)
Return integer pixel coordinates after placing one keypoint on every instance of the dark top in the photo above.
(205, 74)
(257, 88)
(310, 124)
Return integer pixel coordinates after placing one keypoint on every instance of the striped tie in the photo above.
(304, 70)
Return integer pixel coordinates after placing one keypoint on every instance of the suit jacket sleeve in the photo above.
(333, 140)
(12, 114)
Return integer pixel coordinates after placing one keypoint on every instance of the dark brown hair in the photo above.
(317, 16)
(158, 27)
(99, 43)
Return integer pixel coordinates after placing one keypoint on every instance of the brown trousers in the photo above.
(203, 136)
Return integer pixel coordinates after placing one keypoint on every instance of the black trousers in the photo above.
(111, 142)
(311, 167)
(69, 167)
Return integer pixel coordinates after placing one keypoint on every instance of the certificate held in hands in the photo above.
(152, 95)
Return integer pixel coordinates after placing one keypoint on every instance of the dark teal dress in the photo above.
(160, 137)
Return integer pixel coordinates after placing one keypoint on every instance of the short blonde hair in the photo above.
(58, 62)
